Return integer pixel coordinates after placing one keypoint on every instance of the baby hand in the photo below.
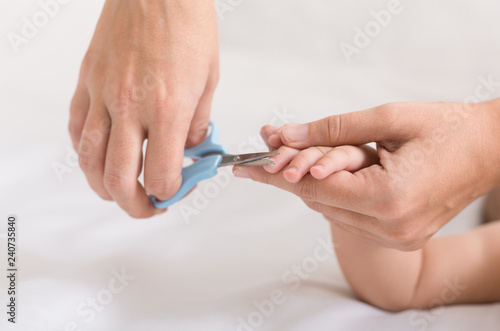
(320, 161)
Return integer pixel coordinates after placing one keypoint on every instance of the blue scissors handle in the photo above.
(204, 168)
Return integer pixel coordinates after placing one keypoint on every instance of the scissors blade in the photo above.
(247, 159)
(260, 162)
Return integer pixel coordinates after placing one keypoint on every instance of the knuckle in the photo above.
(390, 111)
(183, 97)
(389, 108)
(284, 150)
(344, 151)
(121, 97)
(115, 184)
(334, 129)
(314, 150)
(176, 106)
(306, 190)
(161, 98)
(87, 163)
(299, 160)
(104, 127)
(126, 93)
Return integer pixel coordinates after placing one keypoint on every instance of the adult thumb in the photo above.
(387, 122)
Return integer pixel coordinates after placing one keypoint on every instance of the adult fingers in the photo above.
(387, 122)
(79, 109)
(201, 118)
(165, 153)
(362, 235)
(365, 227)
(92, 148)
(352, 191)
(122, 168)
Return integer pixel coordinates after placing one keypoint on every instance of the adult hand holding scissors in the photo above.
(150, 73)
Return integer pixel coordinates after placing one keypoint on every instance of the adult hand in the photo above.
(150, 73)
(435, 159)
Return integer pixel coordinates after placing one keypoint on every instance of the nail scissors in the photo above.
(210, 156)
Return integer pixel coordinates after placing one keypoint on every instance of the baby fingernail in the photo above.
(296, 133)
(292, 169)
(318, 168)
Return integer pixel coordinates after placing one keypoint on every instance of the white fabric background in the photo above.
(205, 272)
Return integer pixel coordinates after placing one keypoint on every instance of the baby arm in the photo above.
(463, 268)
(449, 270)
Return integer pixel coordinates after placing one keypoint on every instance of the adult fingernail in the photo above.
(241, 173)
(296, 133)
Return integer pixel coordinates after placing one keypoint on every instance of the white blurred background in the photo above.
(281, 61)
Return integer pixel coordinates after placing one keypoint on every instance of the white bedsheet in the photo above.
(231, 247)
